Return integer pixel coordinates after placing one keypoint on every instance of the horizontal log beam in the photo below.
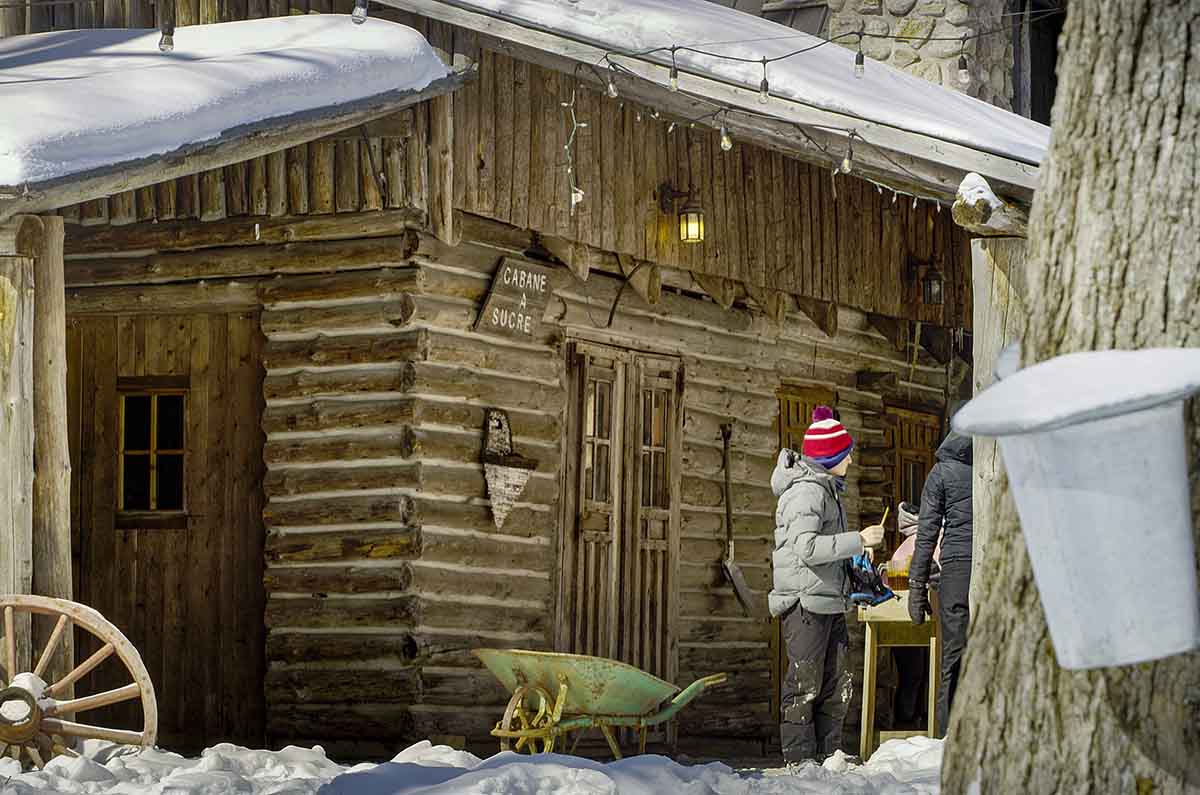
(332, 546)
(253, 233)
(166, 299)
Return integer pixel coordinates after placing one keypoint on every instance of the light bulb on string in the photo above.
(764, 88)
(964, 73)
(359, 15)
(671, 128)
(914, 202)
(860, 61)
(726, 139)
(611, 88)
(848, 160)
(895, 196)
(654, 115)
(674, 72)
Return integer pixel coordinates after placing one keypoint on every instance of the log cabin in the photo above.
(279, 369)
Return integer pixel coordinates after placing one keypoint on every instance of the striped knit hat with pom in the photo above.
(826, 441)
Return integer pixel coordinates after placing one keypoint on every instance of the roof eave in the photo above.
(900, 159)
(234, 145)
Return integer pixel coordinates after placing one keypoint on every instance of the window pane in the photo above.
(170, 422)
(589, 486)
(170, 483)
(137, 422)
(604, 410)
(660, 418)
(137, 482)
(589, 409)
(662, 476)
(647, 479)
(602, 465)
(647, 415)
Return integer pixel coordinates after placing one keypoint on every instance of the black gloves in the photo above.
(918, 602)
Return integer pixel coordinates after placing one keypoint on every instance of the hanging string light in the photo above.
(726, 138)
(964, 74)
(674, 71)
(576, 192)
(359, 15)
(848, 160)
(860, 60)
(611, 87)
(764, 88)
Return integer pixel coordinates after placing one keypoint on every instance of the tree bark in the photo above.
(1113, 238)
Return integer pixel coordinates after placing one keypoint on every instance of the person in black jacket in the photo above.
(945, 510)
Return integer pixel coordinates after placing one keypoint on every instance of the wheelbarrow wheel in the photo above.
(529, 709)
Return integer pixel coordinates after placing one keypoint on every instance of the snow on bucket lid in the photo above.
(1080, 387)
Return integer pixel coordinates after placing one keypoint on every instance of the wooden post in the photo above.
(441, 148)
(52, 456)
(20, 239)
(1000, 315)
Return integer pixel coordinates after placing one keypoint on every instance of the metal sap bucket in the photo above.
(1095, 450)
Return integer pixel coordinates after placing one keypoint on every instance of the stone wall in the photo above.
(934, 31)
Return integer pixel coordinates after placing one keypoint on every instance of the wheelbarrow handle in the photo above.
(686, 696)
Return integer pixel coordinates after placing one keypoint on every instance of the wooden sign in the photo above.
(518, 297)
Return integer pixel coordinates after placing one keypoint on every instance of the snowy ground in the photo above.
(899, 767)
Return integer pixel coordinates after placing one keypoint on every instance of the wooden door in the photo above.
(913, 438)
(166, 511)
(620, 551)
(796, 406)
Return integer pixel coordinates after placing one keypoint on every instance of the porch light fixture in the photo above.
(929, 278)
(1095, 448)
(691, 217)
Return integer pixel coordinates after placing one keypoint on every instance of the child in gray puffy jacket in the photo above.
(811, 589)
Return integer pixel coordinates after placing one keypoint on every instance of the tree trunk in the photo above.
(1113, 238)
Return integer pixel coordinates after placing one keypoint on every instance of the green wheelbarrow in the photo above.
(556, 694)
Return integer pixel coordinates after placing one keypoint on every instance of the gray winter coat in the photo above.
(811, 540)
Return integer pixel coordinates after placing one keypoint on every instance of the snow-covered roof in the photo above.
(75, 101)
(886, 102)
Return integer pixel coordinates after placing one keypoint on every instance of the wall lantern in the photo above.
(1095, 450)
(930, 279)
(691, 217)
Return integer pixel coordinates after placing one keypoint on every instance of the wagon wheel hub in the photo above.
(20, 716)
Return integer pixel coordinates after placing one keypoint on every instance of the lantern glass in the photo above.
(931, 288)
(691, 224)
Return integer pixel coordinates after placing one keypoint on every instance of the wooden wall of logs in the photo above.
(383, 565)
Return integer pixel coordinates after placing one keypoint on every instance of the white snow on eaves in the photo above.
(822, 78)
(78, 100)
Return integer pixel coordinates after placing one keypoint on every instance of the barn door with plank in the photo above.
(621, 545)
(796, 406)
(913, 438)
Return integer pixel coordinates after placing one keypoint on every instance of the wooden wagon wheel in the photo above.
(33, 723)
(524, 713)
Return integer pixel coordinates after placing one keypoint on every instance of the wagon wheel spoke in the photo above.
(36, 756)
(83, 731)
(81, 670)
(107, 698)
(51, 645)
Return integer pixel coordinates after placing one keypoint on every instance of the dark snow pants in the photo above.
(953, 618)
(817, 687)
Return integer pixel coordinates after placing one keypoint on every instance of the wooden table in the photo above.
(889, 625)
